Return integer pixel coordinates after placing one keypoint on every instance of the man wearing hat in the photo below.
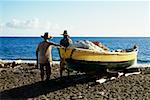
(66, 41)
(44, 56)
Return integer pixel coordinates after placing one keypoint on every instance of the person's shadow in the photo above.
(43, 88)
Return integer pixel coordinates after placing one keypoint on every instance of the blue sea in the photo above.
(12, 48)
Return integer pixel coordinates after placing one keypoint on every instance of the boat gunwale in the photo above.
(103, 53)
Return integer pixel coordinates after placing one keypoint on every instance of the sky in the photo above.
(81, 18)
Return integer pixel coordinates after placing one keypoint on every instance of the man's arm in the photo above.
(51, 43)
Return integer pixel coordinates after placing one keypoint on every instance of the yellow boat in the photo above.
(85, 60)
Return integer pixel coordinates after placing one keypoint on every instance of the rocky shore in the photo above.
(22, 81)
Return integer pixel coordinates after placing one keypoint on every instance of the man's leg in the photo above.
(42, 71)
(48, 71)
(61, 66)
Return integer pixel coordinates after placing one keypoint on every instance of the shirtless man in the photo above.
(44, 56)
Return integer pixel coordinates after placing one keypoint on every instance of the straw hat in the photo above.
(46, 36)
(65, 33)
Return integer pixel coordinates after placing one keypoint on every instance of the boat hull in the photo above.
(92, 66)
(90, 61)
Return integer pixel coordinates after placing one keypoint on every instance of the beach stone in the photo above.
(7, 65)
(101, 93)
(45, 98)
(1, 65)
(13, 64)
(145, 70)
(73, 98)
(2, 70)
(17, 71)
(31, 64)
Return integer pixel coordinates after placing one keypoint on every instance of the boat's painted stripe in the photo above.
(98, 62)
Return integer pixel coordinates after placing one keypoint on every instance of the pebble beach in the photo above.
(22, 81)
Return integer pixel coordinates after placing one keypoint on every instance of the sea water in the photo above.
(24, 47)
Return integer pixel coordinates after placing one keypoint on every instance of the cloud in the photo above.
(27, 24)
(32, 24)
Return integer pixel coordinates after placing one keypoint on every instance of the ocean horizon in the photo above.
(16, 47)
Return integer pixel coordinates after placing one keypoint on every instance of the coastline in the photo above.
(23, 82)
(24, 61)
(138, 65)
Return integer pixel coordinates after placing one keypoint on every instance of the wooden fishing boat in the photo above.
(85, 60)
